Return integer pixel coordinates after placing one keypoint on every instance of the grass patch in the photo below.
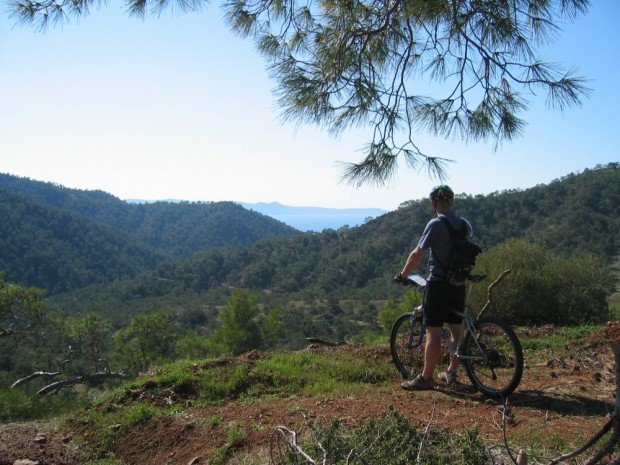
(111, 396)
(320, 374)
(135, 414)
(211, 421)
(17, 405)
(558, 339)
(205, 384)
(225, 383)
(372, 339)
(235, 437)
(177, 373)
(539, 442)
(101, 425)
(289, 373)
(236, 434)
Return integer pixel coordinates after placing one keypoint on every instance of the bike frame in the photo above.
(467, 321)
(481, 357)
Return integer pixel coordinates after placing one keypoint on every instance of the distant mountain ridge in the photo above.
(302, 218)
(315, 218)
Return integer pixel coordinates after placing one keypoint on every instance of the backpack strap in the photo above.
(454, 234)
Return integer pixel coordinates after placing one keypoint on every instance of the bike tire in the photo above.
(499, 374)
(407, 331)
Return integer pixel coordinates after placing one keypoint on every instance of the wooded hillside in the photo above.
(576, 214)
(60, 239)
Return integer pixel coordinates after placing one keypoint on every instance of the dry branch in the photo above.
(91, 377)
(315, 340)
(46, 374)
(504, 435)
(58, 385)
(6, 333)
(430, 421)
(36, 374)
(585, 447)
(282, 433)
(607, 449)
(489, 302)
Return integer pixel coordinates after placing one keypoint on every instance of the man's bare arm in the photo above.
(413, 261)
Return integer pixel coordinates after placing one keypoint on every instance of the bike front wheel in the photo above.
(493, 360)
(407, 344)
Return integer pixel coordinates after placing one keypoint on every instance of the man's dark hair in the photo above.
(441, 192)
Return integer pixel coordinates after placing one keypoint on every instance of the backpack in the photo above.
(462, 254)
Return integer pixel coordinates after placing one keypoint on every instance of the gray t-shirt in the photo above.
(437, 240)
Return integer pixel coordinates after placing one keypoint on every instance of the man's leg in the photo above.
(432, 351)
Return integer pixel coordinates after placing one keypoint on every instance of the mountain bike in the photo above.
(488, 348)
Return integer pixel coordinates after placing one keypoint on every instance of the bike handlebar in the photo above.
(419, 281)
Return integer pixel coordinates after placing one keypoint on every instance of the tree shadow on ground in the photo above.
(562, 404)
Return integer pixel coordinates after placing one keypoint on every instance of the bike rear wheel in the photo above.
(407, 344)
(495, 368)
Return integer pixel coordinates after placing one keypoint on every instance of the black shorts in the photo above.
(441, 298)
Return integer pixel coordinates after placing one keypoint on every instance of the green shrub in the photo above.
(392, 311)
(195, 346)
(390, 440)
(545, 288)
(15, 406)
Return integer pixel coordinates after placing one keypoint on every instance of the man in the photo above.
(441, 296)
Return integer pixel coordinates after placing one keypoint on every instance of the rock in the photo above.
(25, 462)
(115, 427)
(40, 438)
(67, 439)
(194, 461)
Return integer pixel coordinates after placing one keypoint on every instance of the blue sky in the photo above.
(179, 107)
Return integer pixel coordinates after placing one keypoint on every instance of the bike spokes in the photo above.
(407, 345)
(494, 360)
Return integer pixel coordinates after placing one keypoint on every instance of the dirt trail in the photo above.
(566, 399)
